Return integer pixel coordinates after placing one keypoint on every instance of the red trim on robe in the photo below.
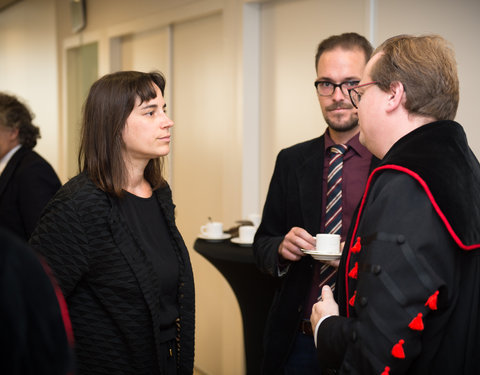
(430, 197)
(61, 303)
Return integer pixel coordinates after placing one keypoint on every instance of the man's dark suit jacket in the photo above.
(301, 191)
(27, 183)
(299, 188)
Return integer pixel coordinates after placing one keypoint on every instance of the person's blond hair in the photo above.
(426, 67)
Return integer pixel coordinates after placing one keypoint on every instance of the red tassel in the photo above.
(354, 271)
(432, 301)
(386, 371)
(357, 247)
(417, 323)
(397, 350)
(351, 302)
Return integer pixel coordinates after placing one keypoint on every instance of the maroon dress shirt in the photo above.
(356, 165)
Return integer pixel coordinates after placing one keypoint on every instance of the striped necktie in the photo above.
(333, 210)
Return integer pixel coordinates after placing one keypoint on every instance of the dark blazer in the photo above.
(26, 185)
(419, 253)
(294, 199)
(109, 284)
(300, 193)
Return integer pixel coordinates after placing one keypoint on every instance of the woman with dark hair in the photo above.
(110, 237)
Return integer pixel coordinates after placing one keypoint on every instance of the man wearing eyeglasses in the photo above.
(296, 207)
(408, 282)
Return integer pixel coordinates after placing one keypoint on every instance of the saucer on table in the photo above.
(225, 236)
(238, 241)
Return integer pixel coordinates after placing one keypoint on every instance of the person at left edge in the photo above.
(110, 237)
(27, 181)
(36, 336)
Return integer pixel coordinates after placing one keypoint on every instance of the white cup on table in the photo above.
(246, 233)
(212, 229)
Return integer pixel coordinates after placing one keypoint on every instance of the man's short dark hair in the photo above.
(347, 41)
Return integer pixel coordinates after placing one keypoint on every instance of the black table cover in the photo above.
(254, 291)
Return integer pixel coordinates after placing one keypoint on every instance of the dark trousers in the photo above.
(303, 359)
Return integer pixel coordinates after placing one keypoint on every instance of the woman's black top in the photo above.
(148, 224)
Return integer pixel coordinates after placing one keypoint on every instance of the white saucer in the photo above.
(322, 256)
(225, 236)
(241, 243)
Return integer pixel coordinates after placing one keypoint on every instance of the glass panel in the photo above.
(82, 71)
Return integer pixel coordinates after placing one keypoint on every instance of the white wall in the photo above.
(28, 66)
(458, 22)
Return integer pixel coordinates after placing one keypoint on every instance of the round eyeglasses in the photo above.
(327, 88)
(355, 96)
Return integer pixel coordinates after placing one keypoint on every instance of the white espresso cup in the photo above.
(328, 243)
(255, 219)
(213, 229)
(246, 233)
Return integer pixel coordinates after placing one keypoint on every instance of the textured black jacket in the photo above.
(26, 185)
(418, 253)
(108, 282)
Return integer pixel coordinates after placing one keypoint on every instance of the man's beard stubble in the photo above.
(344, 126)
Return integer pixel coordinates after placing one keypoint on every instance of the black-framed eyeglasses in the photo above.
(355, 96)
(327, 88)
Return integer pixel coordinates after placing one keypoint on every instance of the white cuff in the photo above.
(318, 326)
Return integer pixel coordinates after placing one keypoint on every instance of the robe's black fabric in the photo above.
(419, 230)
